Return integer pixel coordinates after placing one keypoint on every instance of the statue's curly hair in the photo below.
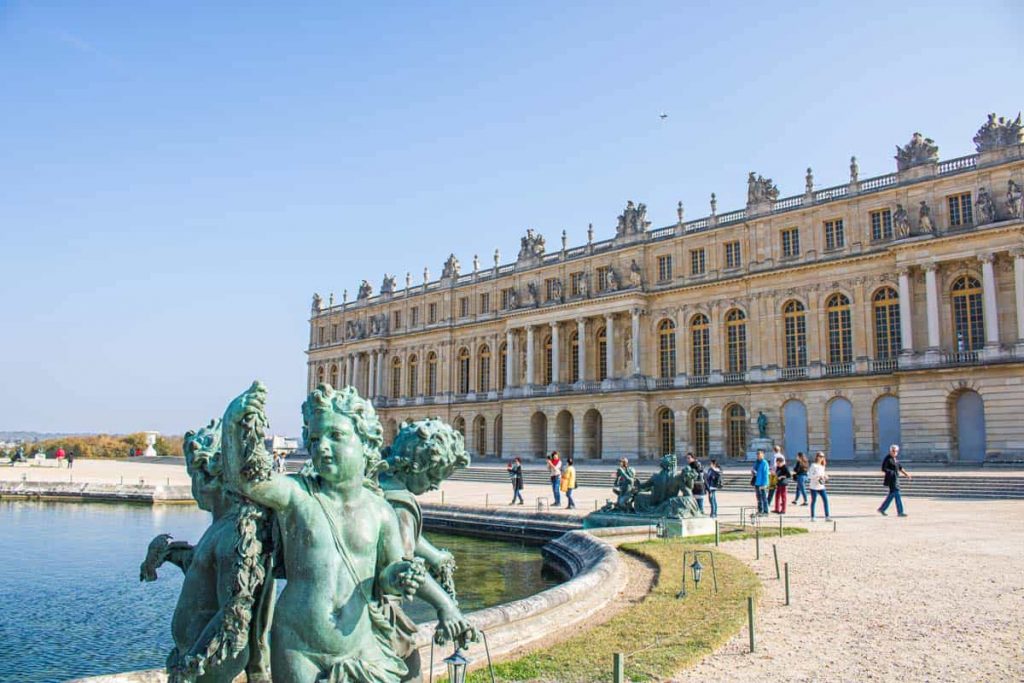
(347, 401)
(202, 449)
(428, 447)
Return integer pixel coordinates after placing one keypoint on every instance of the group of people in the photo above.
(563, 479)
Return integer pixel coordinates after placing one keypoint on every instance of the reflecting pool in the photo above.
(73, 604)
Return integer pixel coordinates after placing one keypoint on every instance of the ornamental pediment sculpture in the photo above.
(531, 246)
(632, 220)
(920, 150)
(379, 324)
(999, 132)
(355, 329)
(636, 276)
(760, 189)
(1013, 200)
(388, 285)
(986, 208)
(318, 303)
(451, 268)
(365, 291)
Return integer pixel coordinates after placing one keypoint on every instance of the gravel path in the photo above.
(937, 596)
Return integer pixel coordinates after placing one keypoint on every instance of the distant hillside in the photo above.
(38, 436)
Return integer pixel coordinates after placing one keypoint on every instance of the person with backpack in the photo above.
(515, 473)
(818, 479)
(569, 483)
(893, 469)
(698, 484)
(713, 482)
(800, 474)
(759, 475)
(782, 476)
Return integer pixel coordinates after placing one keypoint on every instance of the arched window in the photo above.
(320, 375)
(334, 375)
(840, 335)
(463, 374)
(460, 426)
(736, 431)
(414, 383)
(794, 318)
(497, 436)
(396, 378)
(968, 314)
(480, 435)
(602, 354)
(666, 431)
(699, 430)
(667, 349)
(886, 306)
(574, 357)
(548, 378)
(432, 374)
(502, 365)
(483, 378)
(736, 340)
(699, 336)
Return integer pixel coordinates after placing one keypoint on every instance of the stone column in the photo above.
(509, 358)
(554, 354)
(529, 355)
(581, 338)
(609, 334)
(932, 295)
(988, 295)
(906, 316)
(371, 377)
(682, 335)
(636, 340)
(1018, 286)
(382, 374)
(355, 371)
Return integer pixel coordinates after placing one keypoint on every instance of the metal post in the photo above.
(775, 552)
(757, 542)
(618, 668)
(487, 500)
(750, 621)
(780, 526)
(833, 526)
(717, 535)
(786, 567)
(442, 496)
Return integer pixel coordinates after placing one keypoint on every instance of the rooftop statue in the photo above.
(986, 207)
(220, 622)
(534, 292)
(365, 291)
(999, 132)
(341, 540)
(451, 268)
(901, 222)
(1013, 200)
(761, 189)
(762, 425)
(318, 303)
(633, 220)
(388, 285)
(636, 276)
(920, 150)
(924, 219)
(531, 246)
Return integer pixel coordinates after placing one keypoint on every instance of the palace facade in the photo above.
(884, 310)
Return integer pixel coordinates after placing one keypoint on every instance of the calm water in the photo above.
(73, 604)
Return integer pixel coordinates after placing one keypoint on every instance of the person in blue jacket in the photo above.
(759, 479)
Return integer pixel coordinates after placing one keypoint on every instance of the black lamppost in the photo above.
(696, 570)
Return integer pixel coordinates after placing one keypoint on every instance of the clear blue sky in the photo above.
(177, 178)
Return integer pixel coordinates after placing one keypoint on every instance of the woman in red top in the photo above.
(60, 455)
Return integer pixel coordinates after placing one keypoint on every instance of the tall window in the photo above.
(733, 258)
(431, 313)
(547, 360)
(334, 375)
(463, 370)
(667, 431)
(603, 276)
(835, 237)
(432, 374)
(321, 334)
(502, 365)
(697, 261)
(396, 378)
(736, 431)
(795, 323)
(840, 335)
(507, 295)
(790, 242)
(576, 283)
(665, 268)
(602, 354)
(414, 316)
(667, 348)
(881, 225)
(699, 430)
(700, 341)
(463, 306)
(886, 306)
(960, 209)
(736, 340)
(334, 332)
(320, 375)
(549, 288)
(574, 360)
(481, 436)
(485, 302)
(483, 377)
(968, 315)
(396, 319)
(414, 378)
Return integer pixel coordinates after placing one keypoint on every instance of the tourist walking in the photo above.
(569, 483)
(782, 477)
(60, 455)
(817, 479)
(800, 474)
(893, 469)
(698, 484)
(515, 473)
(71, 458)
(713, 482)
(759, 480)
(555, 472)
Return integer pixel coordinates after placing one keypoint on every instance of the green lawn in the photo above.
(661, 635)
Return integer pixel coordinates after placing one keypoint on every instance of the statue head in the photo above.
(425, 453)
(203, 464)
(343, 434)
(668, 462)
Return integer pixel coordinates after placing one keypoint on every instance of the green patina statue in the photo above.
(665, 494)
(220, 622)
(624, 488)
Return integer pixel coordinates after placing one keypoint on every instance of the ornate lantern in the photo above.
(457, 665)
(696, 568)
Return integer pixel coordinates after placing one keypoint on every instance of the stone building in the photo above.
(886, 309)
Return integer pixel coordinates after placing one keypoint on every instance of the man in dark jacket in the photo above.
(698, 485)
(892, 469)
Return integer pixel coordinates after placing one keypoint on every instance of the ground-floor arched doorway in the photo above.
(969, 422)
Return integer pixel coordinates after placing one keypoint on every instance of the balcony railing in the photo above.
(797, 372)
(836, 369)
(664, 382)
(734, 377)
(697, 380)
(884, 365)
(960, 358)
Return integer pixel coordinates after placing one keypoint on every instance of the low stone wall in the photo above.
(596, 575)
(116, 493)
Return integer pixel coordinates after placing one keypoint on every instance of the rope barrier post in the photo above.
(750, 621)
(780, 526)
(775, 551)
(757, 542)
(487, 500)
(618, 668)
(833, 526)
(717, 534)
(442, 496)
(786, 566)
